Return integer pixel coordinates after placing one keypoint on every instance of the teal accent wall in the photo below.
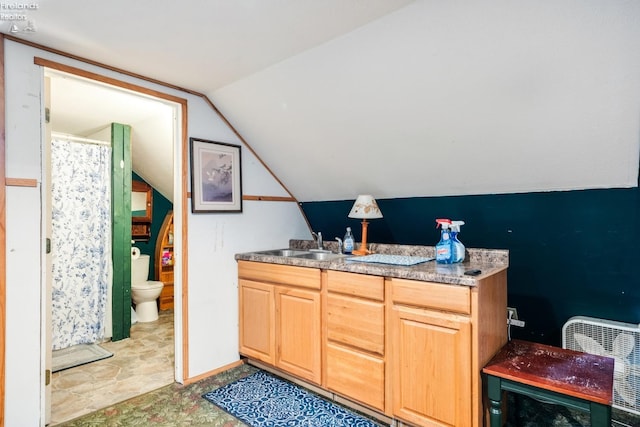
(571, 253)
(161, 205)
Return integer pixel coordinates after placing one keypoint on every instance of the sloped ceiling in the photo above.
(85, 108)
(388, 97)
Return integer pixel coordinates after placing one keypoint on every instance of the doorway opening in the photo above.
(81, 107)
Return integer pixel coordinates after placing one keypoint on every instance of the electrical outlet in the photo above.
(512, 317)
(519, 323)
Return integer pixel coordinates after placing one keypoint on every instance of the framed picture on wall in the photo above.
(216, 177)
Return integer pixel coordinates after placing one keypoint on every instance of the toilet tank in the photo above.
(140, 269)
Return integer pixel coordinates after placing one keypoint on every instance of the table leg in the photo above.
(494, 393)
(600, 415)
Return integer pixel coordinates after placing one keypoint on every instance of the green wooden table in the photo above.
(578, 380)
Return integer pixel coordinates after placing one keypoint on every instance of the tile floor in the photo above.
(141, 363)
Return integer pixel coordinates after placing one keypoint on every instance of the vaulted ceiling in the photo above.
(397, 98)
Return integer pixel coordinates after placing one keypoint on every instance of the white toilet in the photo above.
(144, 292)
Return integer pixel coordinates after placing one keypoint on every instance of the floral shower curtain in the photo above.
(81, 241)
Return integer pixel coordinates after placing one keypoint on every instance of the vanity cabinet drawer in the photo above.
(356, 322)
(361, 285)
(303, 277)
(356, 375)
(437, 296)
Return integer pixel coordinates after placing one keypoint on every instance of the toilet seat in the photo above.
(149, 284)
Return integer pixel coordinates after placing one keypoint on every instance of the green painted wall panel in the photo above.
(121, 231)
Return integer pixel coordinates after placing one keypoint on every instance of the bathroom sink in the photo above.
(320, 256)
(314, 254)
(283, 252)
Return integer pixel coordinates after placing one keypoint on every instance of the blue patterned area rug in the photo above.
(263, 400)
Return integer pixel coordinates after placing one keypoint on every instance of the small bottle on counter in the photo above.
(348, 241)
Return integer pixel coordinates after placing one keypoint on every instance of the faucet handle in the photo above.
(318, 237)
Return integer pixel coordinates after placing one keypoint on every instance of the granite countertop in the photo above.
(488, 261)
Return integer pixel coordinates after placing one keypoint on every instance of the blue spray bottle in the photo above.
(443, 248)
(457, 248)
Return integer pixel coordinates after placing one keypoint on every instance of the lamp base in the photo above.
(361, 252)
(363, 245)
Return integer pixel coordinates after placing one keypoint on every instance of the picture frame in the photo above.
(216, 176)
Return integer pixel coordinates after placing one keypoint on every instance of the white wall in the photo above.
(213, 238)
(452, 98)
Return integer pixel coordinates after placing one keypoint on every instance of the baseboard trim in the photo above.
(212, 373)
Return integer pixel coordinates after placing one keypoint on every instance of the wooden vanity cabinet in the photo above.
(441, 336)
(355, 337)
(280, 317)
(411, 350)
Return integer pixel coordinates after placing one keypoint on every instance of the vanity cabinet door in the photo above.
(257, 320)
(431, 353)
(298, 332)
(280, 318)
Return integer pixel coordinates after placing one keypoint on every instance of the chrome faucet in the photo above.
(318, 237)
(339, 245)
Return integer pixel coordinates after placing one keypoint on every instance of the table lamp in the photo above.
(365, 207)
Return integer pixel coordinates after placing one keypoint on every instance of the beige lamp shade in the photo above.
(365, 207)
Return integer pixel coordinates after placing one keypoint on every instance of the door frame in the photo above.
(3, 236)
(180, 200)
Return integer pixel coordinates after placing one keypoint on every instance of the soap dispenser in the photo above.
(348, 242)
